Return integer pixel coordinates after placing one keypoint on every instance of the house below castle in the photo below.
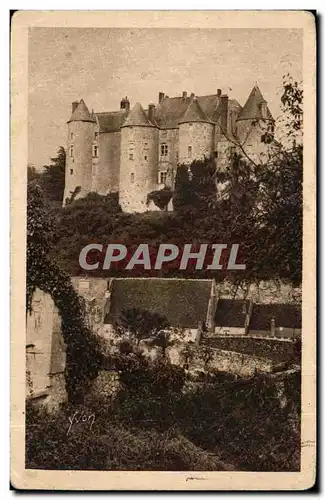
(135, 151)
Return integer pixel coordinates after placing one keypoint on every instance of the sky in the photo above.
(102, 65)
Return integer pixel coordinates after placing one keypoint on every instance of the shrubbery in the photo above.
(245, 423)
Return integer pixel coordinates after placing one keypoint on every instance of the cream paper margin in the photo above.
(22, 478)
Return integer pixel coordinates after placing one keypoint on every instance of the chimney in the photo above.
(125, 103)
(151, 111)
(184, 95)
(219, 92)
(224, 101)
(263, 109)
(160, 96)
(192, 95)
(74, 105)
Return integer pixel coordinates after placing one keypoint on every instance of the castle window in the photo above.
(189, 151)
(71, 171)
(96, 135)
(95, 151)
(71, 135)
(145, 157)
(164, 149)
(71, 151)
(162, 176)
(131, 156)
(132, 178)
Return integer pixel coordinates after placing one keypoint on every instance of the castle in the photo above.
(134, 151)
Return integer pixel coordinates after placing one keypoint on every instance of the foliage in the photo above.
(82, 353)
(160, 198)
(292, 99)
(138, 373)
(140, 324)
(107, 445)
(32, 173)
(243, 421)
(53, 177)
(195, 186)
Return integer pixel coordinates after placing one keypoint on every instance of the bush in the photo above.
(107, 446)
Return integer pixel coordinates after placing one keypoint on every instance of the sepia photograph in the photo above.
(163, 191)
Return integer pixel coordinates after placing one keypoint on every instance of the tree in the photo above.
(32, 173)
(140, 324)
(160, 198)
(163, 340)
(195, 186)
(53, 177)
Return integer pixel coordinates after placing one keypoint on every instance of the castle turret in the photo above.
(139, 159)
(80, 150)
(195, 134)
(253, 122)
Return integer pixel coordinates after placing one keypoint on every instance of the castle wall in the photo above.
(169, 137)
(106, 170)
(138, 167)
(79, 166)
(45, 353)
(249, 133)
(198, 136)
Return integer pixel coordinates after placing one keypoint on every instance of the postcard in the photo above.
(163, 242)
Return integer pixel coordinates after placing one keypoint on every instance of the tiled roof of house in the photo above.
(252, 109)
(81, 113)
(137, 117)
(194, 113)
(231, 312)
(285, 315)
(183, 302)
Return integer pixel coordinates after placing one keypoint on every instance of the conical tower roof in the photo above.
(194, 113)
(137, 118)
(252, 108)
(81, 113)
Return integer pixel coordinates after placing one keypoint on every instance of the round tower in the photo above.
(196, 134)
(254, 121)
(81, 128)
(139, 160)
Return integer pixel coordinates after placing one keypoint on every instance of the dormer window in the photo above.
(71, 151)
(164, 149)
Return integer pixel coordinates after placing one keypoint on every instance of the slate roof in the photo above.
(137, 117)
(183, 302)
(81, 113)
(286, 316)
(194, 113)
(111, 121)
(171, 110)
(231, 312)
(251, 110)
